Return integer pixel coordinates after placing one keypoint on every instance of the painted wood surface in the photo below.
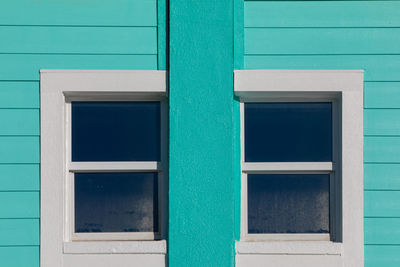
(382, 122)
(19, 232)
(322, 14)
(19, 149)
(382, 68)
(345, 35)
(79, 13)
(381, 176)
(378, 255)
(382, 95)
(382, 231)
(22, 67)
(382, 203)
(19, 205)
(321, 41)
(19, 122)
(382, 149)
(78, 40)
(62, 34)
(20, 256)
(19, 177)
(162, 34)
(19, 95)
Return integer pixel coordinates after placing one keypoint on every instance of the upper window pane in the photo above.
(288, 203)
(288, 132)
(115, 131)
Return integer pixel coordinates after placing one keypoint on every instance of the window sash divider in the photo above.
(134, 166)
(287, 166)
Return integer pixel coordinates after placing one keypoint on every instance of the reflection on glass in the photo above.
(284, 132)
(115, 131)
(116, 202)
(288, 203)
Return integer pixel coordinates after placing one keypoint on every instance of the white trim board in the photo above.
(101, 81)
(249, 82)
(289, 247)
(116, 247)
(346, 88)
(57, 89)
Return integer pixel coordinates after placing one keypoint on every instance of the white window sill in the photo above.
(289, 247)
(115, 247)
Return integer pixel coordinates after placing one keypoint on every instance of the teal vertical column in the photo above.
(201, 180)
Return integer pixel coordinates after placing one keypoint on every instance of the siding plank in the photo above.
(384, 231)
(19, 205)
(382, 95)
(382, 121)
(322, 41)
(19, 177)
(19, 149)
(26, 67)
(382, 204)
(19, 122)
(385, 256)
(377, 67)
(19, 256)
(19, 232)
(382, 177)
(83, 40)
(322, 13)
(89, 12)
(162, 34)
(382, 149)
(19, 95)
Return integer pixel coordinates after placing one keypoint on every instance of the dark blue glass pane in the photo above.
(115, 131)
(288, 203)
(116, 202)
(284, 132)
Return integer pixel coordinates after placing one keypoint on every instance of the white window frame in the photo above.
(331, 168)
(101, 166)
(344, 88)
(59, 243)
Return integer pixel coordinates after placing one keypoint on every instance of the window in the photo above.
(280, 199)
(104, 167)
(108, 203)
(302, 177)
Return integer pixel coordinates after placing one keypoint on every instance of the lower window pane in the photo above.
(288, 203)
(116, 202)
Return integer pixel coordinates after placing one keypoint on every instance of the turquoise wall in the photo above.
(201, 187)
(204, 204)
(345, 35)
(61, 34)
